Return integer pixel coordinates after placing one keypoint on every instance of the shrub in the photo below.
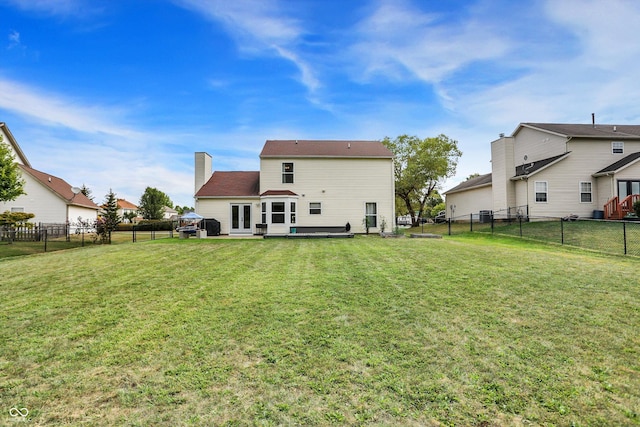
(149, 225)
(636, 208)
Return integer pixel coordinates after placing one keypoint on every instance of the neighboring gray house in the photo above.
(555, 170)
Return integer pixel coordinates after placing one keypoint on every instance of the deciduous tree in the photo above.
(419, 167)
(11, 182)
(152, 203)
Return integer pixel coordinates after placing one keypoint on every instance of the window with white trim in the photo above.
(315, 208)
(585, 192)
(17, 209)
(542, 191)
(371, 214)
(264, 212)
(292, 211)
(617, 147)
(287, 173)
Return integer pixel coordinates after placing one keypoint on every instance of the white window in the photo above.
(293, 212)
(585, 192)
(542, 190)
(617, 147)
(17, 209)
(287, 173)
(264, 212)
(371, 214)
(315, 208)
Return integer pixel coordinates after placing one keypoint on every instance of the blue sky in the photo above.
(120, 94)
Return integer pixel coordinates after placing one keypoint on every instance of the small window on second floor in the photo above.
(287, 173)
(617, 147)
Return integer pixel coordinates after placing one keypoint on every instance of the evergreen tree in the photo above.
(110, 219)
(87, 192)
(11, 182)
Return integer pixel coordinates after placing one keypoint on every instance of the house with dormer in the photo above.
(556, 170)
(50, 198)
(302, 185)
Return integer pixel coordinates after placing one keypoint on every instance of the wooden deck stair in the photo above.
(615, 209)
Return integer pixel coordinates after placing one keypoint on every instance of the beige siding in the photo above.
(502, 168)
(469, 202)
(537, 145)
(522, 191)
(220, 209)
(342, 186)
(563, 191)
(630, 173)
(606, 189)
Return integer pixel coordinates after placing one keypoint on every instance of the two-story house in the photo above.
(555, 170)
(49, 197)
(301, 185)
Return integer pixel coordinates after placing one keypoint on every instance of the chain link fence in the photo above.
(612, 237)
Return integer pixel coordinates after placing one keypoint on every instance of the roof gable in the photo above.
(477, 182)
(60, 188)
(231, 184)
(14, 145)
(325, 148)
(125, 204)
(530, 168)
(620, 164)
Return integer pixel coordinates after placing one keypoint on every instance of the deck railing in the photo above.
(616, 209)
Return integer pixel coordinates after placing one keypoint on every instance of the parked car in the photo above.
(441, 217)
(403, 220)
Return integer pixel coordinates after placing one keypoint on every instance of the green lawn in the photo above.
(468, 330)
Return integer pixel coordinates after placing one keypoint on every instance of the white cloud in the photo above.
(14, 39)
(398, 40)
(61, 111)
(259, 28)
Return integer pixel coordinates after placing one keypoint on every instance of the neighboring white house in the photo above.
(169, 213)
(50, 198)
(555, 170)
(302, 185)
(127, 208)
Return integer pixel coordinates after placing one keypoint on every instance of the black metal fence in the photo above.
(152, 230)
(613, 237)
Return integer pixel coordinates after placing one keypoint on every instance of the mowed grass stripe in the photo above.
(317, 332)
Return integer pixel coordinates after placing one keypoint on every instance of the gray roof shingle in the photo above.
(631, 158)
(325, 148)
(479, 181)
(604, 131)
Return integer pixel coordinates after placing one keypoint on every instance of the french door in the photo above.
(626, 188)
(241, 218)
